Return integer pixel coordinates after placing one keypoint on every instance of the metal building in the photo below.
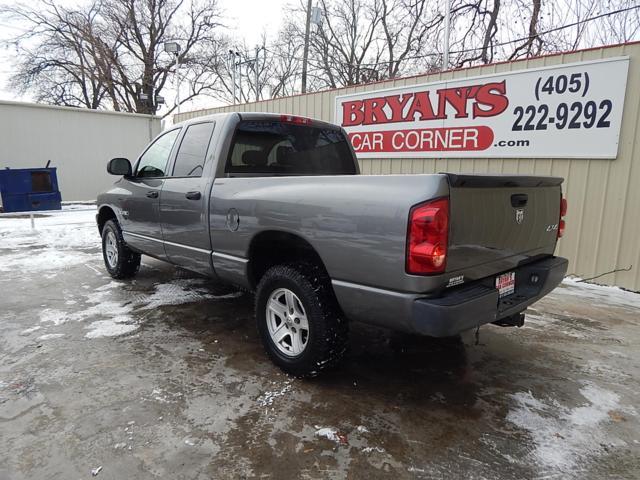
(78, 141)
(603, 222)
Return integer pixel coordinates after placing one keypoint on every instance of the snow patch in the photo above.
(599, 295)
(329, 433)
(34, 261)
(162, 396)
(112, 327)
(565, 436)
(58, 242)
(179, 292)
(267, 399)
(50, 336)
(52, 245)
(27, 331)
(56, 317)
(373, 449)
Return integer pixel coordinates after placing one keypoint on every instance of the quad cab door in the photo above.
(184, 201)
(141, 205)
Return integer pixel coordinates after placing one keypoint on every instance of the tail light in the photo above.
(427, 237)
(295, 119)
(563, 212)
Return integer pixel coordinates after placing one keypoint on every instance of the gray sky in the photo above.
(245, 18)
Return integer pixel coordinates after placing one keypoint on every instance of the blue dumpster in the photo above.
(29, 189)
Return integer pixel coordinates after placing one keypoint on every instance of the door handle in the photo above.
(152, 194)
(193, 195)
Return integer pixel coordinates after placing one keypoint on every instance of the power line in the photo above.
(475, 49)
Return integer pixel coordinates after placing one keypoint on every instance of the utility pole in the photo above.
(234, 66)
(305, 55)
(255, 70)
(447, 28)
(239, 65)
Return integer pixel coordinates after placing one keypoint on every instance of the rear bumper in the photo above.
(468, 307)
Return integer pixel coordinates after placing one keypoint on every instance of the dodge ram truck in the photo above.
(276, 204)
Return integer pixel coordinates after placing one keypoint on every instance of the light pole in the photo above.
(236, 71)
(447, 28)
(173, 48)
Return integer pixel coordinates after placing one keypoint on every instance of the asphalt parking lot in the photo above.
(164, 377)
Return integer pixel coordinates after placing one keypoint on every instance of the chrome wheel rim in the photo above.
(287, 322)
(111, 249)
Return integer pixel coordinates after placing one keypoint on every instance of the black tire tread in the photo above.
(128, 260)
(321, 307)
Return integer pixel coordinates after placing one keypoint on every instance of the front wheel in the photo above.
(120, 260)
(299, 321)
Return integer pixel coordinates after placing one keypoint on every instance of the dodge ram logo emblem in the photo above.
(519, 216)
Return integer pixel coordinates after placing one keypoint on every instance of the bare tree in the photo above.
(533, 44)
(109, 53)
(580, 33)
(347, 39)
(407, 26)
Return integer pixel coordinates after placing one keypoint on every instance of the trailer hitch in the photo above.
(516, 320)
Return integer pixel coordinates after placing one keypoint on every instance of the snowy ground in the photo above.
(163, 376)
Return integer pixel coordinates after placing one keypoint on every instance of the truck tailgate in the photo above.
(500, 222)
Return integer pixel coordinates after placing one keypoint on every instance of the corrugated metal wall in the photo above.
(603, 223)
(78, 141)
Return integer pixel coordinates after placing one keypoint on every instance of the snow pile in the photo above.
(565, 436)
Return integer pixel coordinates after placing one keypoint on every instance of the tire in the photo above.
(120, 260)
(325, 341)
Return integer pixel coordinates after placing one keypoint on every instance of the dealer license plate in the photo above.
(506, 284)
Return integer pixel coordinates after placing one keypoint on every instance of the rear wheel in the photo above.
(299, 321)
(120, 260)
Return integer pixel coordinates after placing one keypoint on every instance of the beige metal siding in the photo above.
(603, 222)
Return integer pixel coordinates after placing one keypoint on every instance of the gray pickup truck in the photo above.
(276, 204)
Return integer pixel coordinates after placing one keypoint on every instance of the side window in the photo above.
(193, 150)
(153, 162)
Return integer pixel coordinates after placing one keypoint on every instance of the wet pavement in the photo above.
(164, 377)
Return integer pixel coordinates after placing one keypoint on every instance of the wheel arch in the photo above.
(275, 247)
(105, 213)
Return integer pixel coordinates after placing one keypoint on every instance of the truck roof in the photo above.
(255, 116)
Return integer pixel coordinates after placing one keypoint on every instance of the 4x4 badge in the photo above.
(519, 216)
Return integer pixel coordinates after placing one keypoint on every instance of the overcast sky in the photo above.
(245, 19)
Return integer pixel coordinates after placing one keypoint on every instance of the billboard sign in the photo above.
(563, 111)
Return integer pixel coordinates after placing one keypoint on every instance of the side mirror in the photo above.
(119, 166)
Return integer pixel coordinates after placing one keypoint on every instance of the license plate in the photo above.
(506, 284)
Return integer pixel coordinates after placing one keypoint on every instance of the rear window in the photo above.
(275, 148)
